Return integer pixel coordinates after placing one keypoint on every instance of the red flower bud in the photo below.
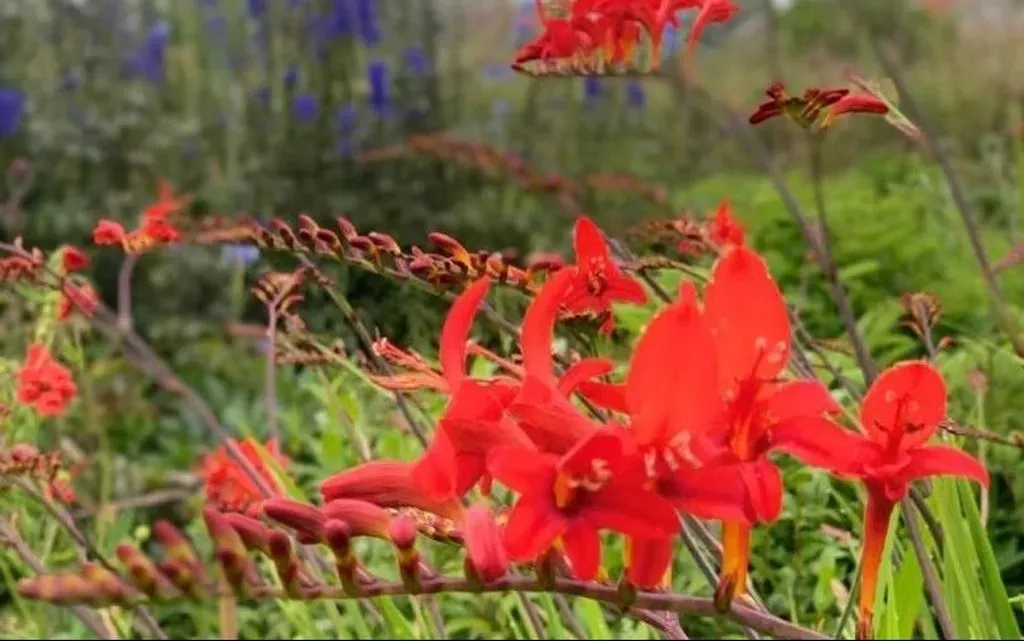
(306, 520)
(387, 484)
(485, 544)
(364, 519)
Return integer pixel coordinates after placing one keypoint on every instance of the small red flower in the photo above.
(817, 109)
(723, 228)
(900, 412)
(474, 421)
(74, 259)
(227, 485)
(598, 281)
(570, 499)
(44, 383)
(154, 227)
(82, 296)
(108, 232)
(485, 544)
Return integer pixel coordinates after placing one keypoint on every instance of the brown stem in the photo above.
(124, 292)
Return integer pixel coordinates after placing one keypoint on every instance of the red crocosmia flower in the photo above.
(723, 228)
(817, 109)
(388, 484)
(900, 413)
(82, 296)
(475, 420)
(154, 228)
(107, 232)
(74, 259)
(485, 544)
(572, 497)
(542, 405)
(749, 323)
(598, 280)
(227, 485)
(44, 383)
(674, 401)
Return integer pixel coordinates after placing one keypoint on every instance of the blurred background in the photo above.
(280, 107)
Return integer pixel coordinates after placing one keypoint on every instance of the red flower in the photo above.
(599, 32)
(569, 499)
(44, 383)
(74, 259)
(900, 413)
(723, 228)
(81, 296)
(817, 109)
(227, 485)
(542, 405)
(475, 420)
(673, 401)
(107, 232)
(749, 323)
(598, 280)
(154, 229)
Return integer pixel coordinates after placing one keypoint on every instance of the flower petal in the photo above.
(582, 546)
(533, 526)
(764, 488)
(523, 471)
(589, 242)
(625, 508)
(455, 332)
(909, 396)
(800, 398)
(583, 370)
(539, 325)
(748, 318)
(649, 561)
(942, 460)
(672, 384)
(609, 396)
(819, 442)
(710, 492)
(548, 418)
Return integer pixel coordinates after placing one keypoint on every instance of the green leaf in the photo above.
(395, 622)
(592, 618)
(998, 599)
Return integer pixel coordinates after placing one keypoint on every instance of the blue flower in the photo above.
(257, 8)
(379, 78)
(346, 122)
(305, 106)
(148, 60)
(416, 61)
(591, 88)
(239, 254)
(636, 95)
(339, 20)
(366, 16)
(12, 108)
(291, 76)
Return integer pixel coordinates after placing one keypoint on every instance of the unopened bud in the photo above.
(339, 539)
(306, 520)
(486, 555)
(287, 564)
(144, 573)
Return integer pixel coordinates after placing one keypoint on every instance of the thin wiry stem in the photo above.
(124, 291)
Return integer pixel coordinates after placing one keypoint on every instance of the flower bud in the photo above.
(144, 573)
(387, 484)
(306, 520)
(363, 518)
(281, 553)
(486, 555)
(339, 538)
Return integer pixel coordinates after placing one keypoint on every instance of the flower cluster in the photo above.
(227, 485)
(44, 383)
(589, 35)
(704, 404)
(154, 229)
